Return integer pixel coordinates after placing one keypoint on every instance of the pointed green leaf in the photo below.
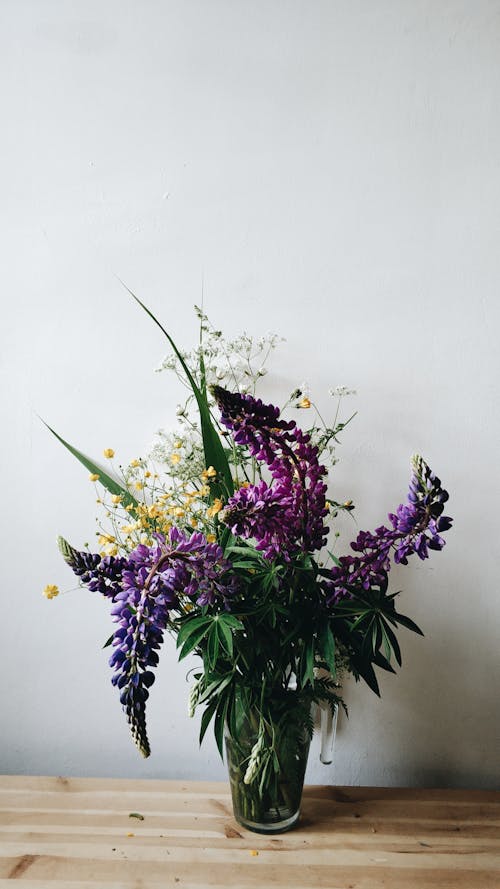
(207, 717)
(220, 721)
(225, 638)
(212, 445)
(215, 687)
(189, 626)
(392, 640)
(193, 641)
(230, 621)
(328, 647)
(407, 622)
(109, 483)
(213, 647)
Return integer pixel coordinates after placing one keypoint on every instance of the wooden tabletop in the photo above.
(78, 833)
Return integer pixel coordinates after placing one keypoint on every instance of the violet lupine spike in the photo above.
(100, 574)
(144, 588)
(287, 515)
(416, 528)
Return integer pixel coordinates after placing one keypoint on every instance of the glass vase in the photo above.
(266, 772)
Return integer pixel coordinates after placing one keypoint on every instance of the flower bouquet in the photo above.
(220, 538)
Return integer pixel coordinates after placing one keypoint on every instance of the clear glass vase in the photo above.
(266, 783)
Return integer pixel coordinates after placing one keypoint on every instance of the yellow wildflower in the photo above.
(138, 486)
(178, 444)
(109, 453)
(116, 498)
(154, 511)
(126, 529)
(175, 458)
(211, 472)
(215, 508)
(194, 523)
(51, 591)
(147, 474)
(94, 477)
(135, 463)
(211, 538)
(304, 402)
(179, 512)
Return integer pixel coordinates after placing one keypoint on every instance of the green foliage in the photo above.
(214, 452)
(109, 483)
(278, 643)
(283, 646)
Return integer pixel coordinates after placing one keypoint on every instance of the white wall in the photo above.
(330, 171)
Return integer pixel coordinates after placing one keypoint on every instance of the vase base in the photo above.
(278, 826)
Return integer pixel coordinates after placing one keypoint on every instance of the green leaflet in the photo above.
(212, 445)
(190, 626)
(207, 717)
(193, 640)
(109, 483)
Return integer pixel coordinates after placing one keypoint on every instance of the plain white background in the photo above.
(326, 170)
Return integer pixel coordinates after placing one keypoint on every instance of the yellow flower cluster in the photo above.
(159, 507)
(215, 508)
(51, 591)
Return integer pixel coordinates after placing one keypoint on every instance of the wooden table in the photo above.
(78, 833)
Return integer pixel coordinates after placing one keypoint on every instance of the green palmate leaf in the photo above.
(190, 626)
(230, 621)
(109, 483)
(364, 669)
(212, 445)
(193, 640)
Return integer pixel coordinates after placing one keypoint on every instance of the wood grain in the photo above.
(77, 833)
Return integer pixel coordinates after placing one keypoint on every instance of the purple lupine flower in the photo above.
(144, 588)
(101, 575)
(287, 515)
(416, 528)
(265, 513)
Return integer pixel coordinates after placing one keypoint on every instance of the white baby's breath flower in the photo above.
(341, 391)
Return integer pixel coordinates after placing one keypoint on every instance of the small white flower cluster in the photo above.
(341, 391)
(233, 364)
